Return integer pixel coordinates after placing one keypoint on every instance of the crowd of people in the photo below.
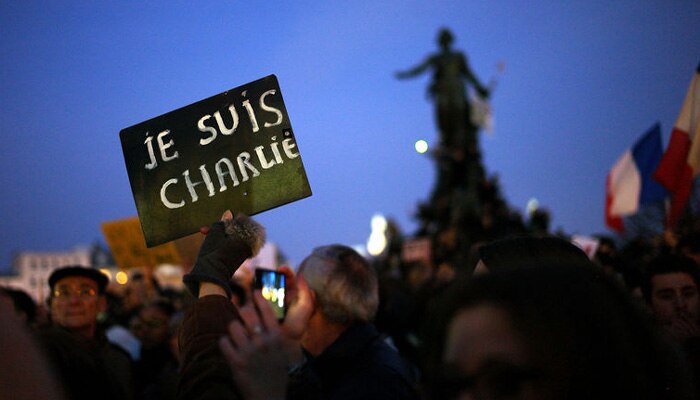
(526, 317)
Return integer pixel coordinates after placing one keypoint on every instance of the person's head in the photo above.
(415, 273)
(549, 332)
(343, 283)
(25, 307)
(445, 38)
(670, 288)
(151, 324)
(77, 297)
(606, 253)
(138, 291)
(512, 253)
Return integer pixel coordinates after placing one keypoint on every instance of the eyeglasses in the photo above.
(83, 292)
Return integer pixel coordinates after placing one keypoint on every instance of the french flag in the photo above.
(680, 163)
(630, 182)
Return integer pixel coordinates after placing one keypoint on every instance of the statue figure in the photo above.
(458, 159)
(448, 91)
(465, 207)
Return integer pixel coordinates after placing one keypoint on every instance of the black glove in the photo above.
(227, 245)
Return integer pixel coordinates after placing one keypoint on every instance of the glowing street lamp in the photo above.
(377, 239)
(421, 146)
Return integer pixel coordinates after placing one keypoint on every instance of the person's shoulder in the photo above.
(385, 359)
(116, 352)
(55, 337)
(384, 374)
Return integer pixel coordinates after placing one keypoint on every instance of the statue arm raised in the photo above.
(415, 71)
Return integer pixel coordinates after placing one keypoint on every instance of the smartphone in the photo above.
(271, 284)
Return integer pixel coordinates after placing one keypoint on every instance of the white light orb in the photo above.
(421, 146)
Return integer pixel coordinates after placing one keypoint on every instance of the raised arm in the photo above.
(415, 71)
(205, 373)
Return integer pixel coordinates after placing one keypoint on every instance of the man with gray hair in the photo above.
(344, 355)
(326, 348)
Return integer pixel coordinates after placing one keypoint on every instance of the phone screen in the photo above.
(271, 284)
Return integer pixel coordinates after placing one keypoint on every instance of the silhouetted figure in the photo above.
(456, 200)
(458, 154)
(550, 331)
(26, 373)
(450, 70)
(345, 357)
(86, 363)
(156, 371)
(670, 287)
(25, 308)
(517, 252)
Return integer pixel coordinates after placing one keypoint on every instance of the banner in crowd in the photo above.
(128, 246)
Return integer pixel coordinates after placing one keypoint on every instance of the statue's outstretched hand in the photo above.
(402, 75)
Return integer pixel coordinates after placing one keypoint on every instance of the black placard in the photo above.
(235, 150)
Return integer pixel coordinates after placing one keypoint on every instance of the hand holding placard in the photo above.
(228, 244)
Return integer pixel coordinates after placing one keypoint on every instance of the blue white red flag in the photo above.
(630, 182)
(681, 161)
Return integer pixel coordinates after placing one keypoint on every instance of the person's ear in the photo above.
(480, 268)
(312, 295)
(302, 285)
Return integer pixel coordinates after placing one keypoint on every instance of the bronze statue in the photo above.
(457, 207)
(448, 91)
(465, 207)
(457, 157)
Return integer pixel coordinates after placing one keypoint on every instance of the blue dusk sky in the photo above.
(582, 81)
